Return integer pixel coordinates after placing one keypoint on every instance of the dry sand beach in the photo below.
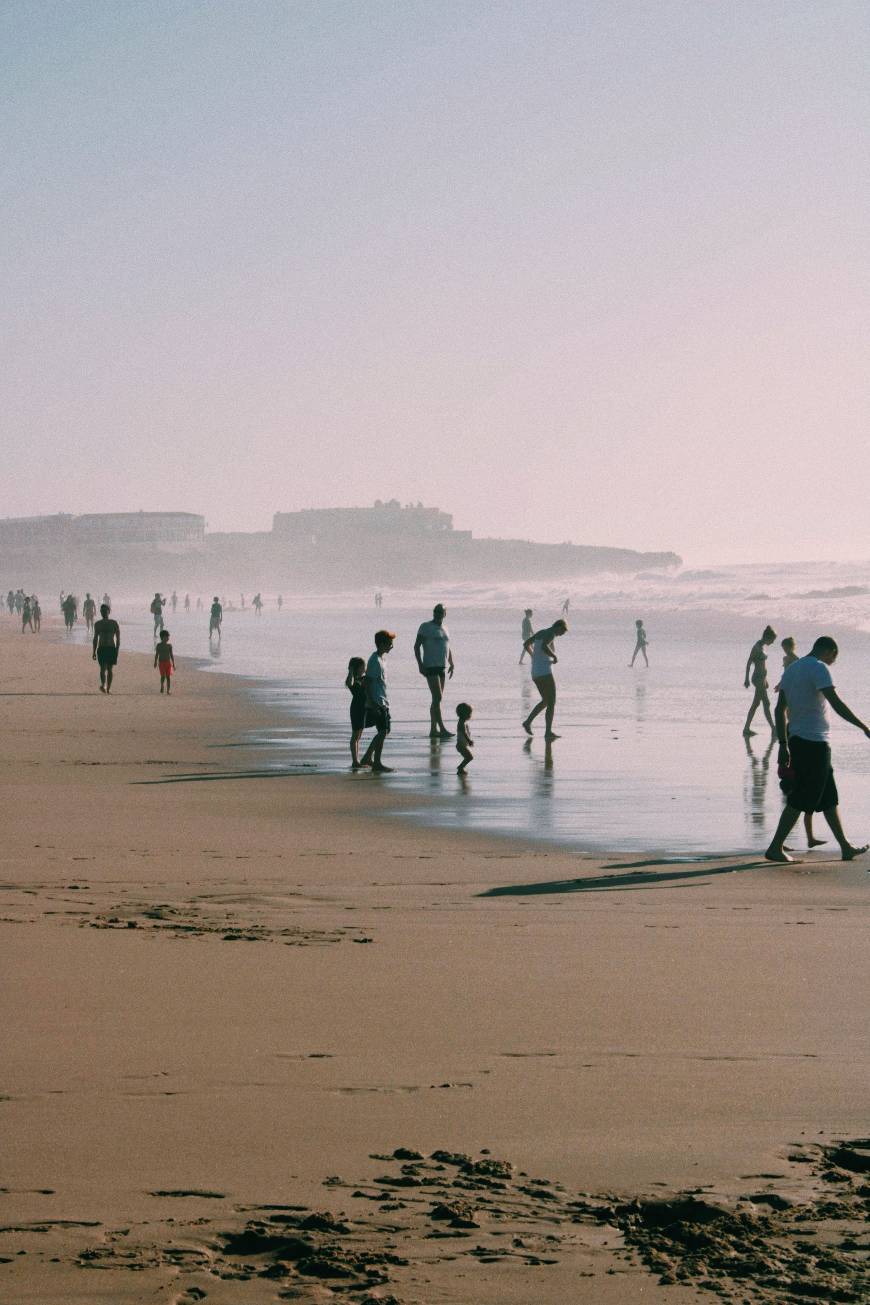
(430, 1067)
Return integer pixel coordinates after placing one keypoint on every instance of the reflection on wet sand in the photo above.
(755, 792)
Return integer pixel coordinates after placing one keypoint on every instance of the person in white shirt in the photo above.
(377, 701)
(435, 661)
(804, 752)
(540, 648)
(527, 631)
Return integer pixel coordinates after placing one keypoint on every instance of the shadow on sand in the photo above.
(611, 883)
(230, 774)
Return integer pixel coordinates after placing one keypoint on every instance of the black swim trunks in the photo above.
(434, 670)
(813, 787)
(378, 718)
(107, 656)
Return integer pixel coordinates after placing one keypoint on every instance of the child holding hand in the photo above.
(355, 682)
(164, 659)
(464, 741)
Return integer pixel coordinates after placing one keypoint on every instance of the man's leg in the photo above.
(109, 678)
(551, 710)
(787, 822)
(849, 852)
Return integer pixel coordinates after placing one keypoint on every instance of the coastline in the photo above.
(614, 1024)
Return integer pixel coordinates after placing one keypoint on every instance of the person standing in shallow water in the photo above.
(216, 616)
(756, 670)
(789, 657)
(107, 645)
(435, 661)
(527, 631)
(640, 646)
(802, 729)
(377, 701)
(540, 649)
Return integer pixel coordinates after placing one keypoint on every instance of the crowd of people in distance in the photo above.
(27, 607)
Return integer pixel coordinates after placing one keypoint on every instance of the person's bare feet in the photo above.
(548, 738)
(815, 842)
(779, 855)
(527, 727)
(749, 734)
(382, 770)
(850, 852)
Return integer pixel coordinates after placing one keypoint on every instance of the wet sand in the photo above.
(431, 1067)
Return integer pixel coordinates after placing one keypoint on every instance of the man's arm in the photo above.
(117, 633)
(746, 676)
(449, 662)
(780, 719)
(95, 644)
(842, 710)
(418, 644)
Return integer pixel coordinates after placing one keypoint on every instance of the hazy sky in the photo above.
(589, 271)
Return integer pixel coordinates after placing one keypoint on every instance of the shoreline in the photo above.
(605, 1024)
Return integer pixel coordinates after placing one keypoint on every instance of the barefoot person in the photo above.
(435, 661)
(377, 701)
(786, 779)
(640, 646)
(355, 684)
(756, 668)
(215, 617)
(464, 741)
(802, 728)
(107, 645)
(164, 660)
(540, 648)
(527, 631)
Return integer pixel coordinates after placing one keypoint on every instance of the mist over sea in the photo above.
(648, 759)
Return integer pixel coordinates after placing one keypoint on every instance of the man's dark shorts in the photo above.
(434, 670)
(107, 656)
(813, 787)
(378, 718)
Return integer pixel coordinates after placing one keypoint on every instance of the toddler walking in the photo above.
(464, 741)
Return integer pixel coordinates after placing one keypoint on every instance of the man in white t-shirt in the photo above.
(435, 661)
(804, 751)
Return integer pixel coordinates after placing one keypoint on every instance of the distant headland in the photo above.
(313, 549)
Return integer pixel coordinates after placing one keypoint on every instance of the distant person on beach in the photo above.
(199, 602)
(280, 601)
(69, 612)
(107, 645)
(10, 602)
(164, 659)
(107, 600)
(526, 631)
(464, 741)
(540, 648)
(174, 600)
(187, 602)
(804, 752)
(89, 612)
(377, 701)
(27, 616)
(37, 614)
(789, 652)
(435, 661)
(355, 683)
(216, 616)
(756, 670)
(565, 606)
(640, 646)
(156, 610)
(258, 604)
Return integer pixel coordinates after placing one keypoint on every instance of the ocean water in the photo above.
(648, 759)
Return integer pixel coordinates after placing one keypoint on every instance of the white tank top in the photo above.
(541, 664)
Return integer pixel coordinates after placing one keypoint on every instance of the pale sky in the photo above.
(588, 271)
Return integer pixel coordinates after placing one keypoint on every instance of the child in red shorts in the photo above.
(164, 659)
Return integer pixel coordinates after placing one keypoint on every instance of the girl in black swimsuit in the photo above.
(756, 667)
(356, 669)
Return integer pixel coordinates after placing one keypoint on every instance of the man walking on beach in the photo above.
(107, 644)
(804, 692)
(435, 661)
